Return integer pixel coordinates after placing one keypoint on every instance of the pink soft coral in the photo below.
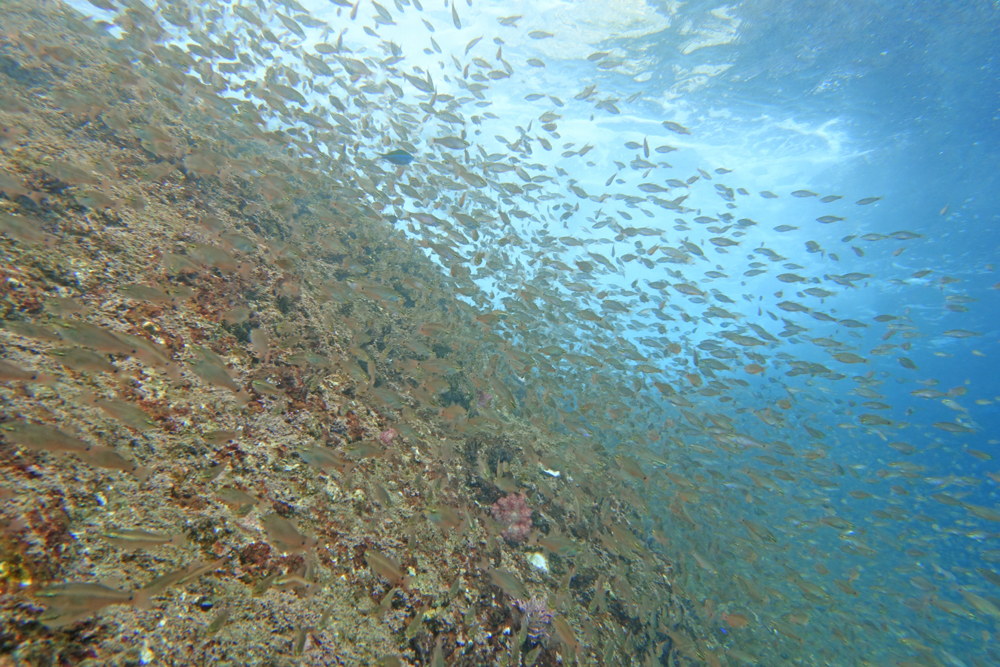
(514, 514)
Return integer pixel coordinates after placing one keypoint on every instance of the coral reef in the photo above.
(203, 342)
(513, 513)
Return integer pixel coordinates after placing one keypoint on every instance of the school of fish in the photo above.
(438, 311)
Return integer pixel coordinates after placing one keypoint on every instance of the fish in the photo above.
(126, 538)
(508, 583)
(82, 360)
(675, 127)
(283, 534)
(454, 143)
(211, 369)
(567, 636)
(127, 413)
(960, 333)
(236, 315)
(260, 343)
(386, 568)
(735, 621)
(398, 157)
(75, 601)
(12, 373)
(147, 293)
(39, 437)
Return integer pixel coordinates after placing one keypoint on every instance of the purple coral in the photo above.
(513, 513)
(387, 436)
(536, 615)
